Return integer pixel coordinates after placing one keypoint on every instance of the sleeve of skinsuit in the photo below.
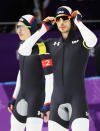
(17, 88)
(47, 64)
(26, 48)
(89, 38)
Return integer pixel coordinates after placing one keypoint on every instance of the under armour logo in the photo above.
(56, 43)
(60, 12)
(75, 41)
(87, 114)
(38, 113)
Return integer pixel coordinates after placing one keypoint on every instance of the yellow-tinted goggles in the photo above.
(57, 19)
(22, 27)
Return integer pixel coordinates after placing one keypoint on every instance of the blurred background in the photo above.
(10, 12)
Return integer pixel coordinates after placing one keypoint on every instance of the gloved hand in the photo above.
(76, 15)
(11, 104)
(48, 25)
(49, 22)
(45, 112)
(45, 108)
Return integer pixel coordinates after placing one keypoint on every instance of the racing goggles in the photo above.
(57, 19)
(22, 27)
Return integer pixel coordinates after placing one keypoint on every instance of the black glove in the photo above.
(45, 108)
(11, 102)
(48, 25)
(79, 17)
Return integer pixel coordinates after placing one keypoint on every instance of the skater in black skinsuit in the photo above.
(70, 55)
(35, 66)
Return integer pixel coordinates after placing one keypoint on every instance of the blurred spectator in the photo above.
(45, 6)
(37, 15)
(40, 8)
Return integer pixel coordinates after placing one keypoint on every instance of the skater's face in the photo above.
(63, 23)
(23, 31)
